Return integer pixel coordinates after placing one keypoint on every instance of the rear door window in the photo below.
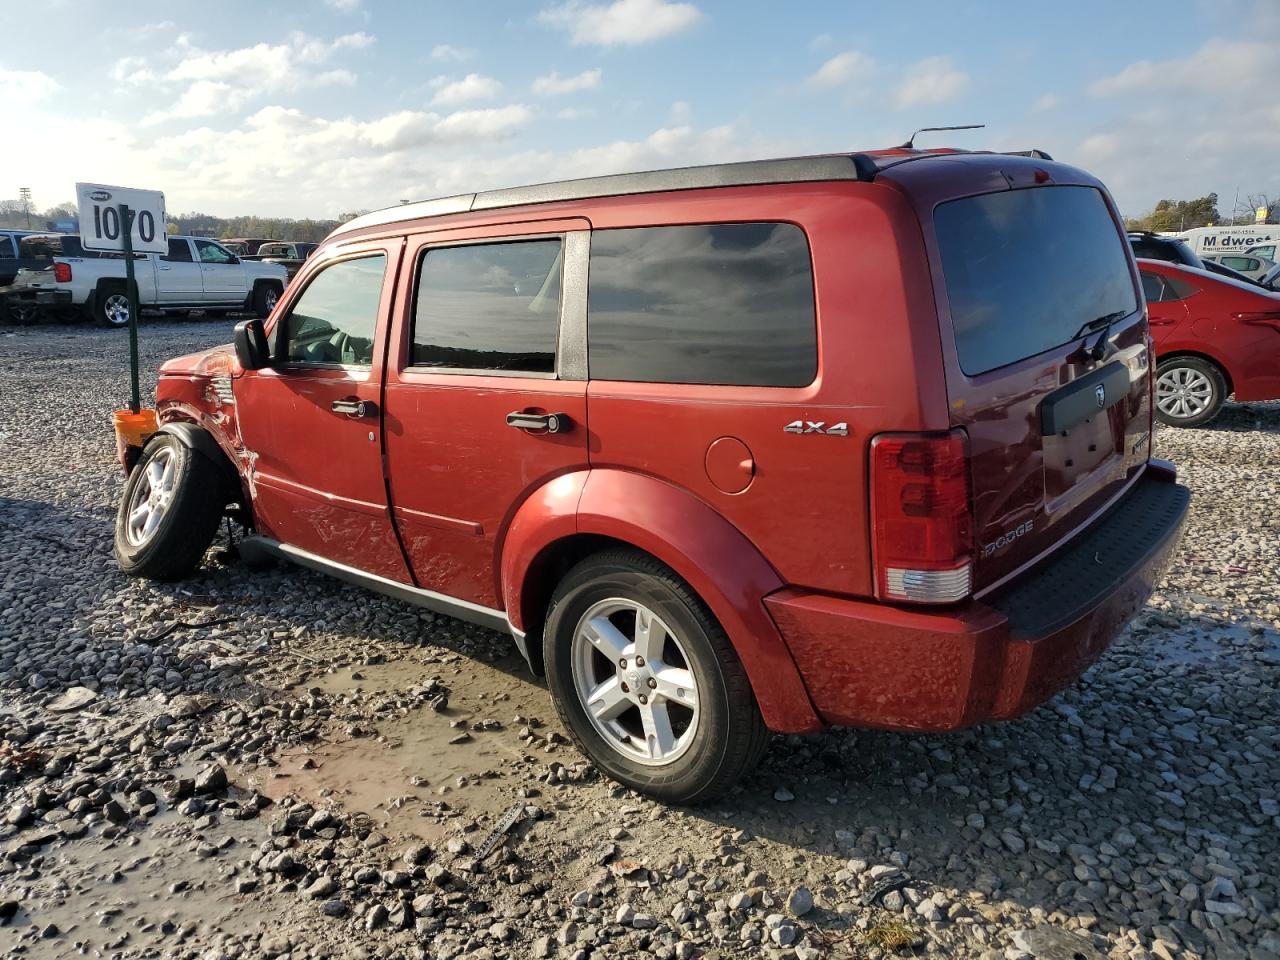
(1025, 270)
(725, 303)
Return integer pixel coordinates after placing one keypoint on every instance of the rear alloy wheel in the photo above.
(1189, 391)
(112, 308)
(646, 681)
(20, 311)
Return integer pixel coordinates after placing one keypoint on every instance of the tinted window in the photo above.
(213, 252)
(334, 319)
(493, 306)
(1026, 269)
(1152, 288)
(727, 303)
(179, 251)
(6, 247)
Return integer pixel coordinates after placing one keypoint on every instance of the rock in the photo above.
(800, 902)
(322, 887)
(740, 901)
(74, 698)
(416, 854)
(212, 779)
(783, 795)
(334, 908)
(1054, 943)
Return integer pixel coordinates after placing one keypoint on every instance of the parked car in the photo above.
(1247, 266)
(12, 259)
(245, 246)
(1267, 251)
(1154, 246)
(195, 274)
(288, 254)
(1214, 337)
(758, 446)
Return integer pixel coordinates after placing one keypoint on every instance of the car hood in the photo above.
(215, 361)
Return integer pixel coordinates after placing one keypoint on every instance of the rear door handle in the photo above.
(539, 422)
(352, 407)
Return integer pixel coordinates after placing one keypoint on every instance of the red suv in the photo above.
(856, 439)
(1214, 337)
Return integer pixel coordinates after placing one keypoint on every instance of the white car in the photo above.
(195, 274)
(1252, 264)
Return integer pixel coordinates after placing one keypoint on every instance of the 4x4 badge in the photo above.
(817, 426)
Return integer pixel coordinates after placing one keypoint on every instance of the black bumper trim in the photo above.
(1127, 538)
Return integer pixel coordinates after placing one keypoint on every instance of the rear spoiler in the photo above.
(869, 166)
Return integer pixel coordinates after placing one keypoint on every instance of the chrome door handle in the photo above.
(539, 422)
(352, 407)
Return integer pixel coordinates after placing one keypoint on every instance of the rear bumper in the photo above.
(873, 665)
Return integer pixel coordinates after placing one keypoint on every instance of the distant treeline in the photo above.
(15, 214)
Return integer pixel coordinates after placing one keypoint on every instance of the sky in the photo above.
(317, 107)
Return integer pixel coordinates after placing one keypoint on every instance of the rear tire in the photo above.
(1189, 391)
(111, 306)
(265, 296)
(681, 726)
(169, 511)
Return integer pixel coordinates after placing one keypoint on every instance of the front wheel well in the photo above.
(1204, 357)
(545, 572)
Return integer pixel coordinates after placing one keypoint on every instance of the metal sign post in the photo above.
(131, 291)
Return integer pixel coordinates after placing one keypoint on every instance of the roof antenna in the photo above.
(911, 144)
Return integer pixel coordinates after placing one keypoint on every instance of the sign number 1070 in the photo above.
(106, 223)
(105, 226)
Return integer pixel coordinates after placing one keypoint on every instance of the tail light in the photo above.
(921, 518)
(62, 272)
(1267, 319)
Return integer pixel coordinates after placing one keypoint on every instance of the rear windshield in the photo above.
(1026, 269)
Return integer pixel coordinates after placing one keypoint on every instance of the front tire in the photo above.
(169, 511)
(265, 296)
(1189, 391)
(646, 681)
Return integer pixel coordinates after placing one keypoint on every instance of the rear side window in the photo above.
(726, 303)
(179, 251)
(333, 322)
(1025, 270)
(492, 306)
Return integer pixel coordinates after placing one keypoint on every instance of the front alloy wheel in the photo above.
(151, 497)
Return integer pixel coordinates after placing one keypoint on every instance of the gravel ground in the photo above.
(278, 765)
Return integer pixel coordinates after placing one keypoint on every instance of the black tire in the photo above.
(730, 736)
(265, 295)
(108, 305)
(1206, 386)
(187, 525)
(19, 312)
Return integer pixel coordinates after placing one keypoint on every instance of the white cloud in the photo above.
(473, 86)
(1047, 102)
(932, 80)
(223, 81)
(554, 85)
(344, 6)
(623, 22)
(25, 85)
(842, 69)
(1219, 66)
(681, 112)
(445, 53)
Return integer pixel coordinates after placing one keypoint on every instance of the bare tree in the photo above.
(1245, 209)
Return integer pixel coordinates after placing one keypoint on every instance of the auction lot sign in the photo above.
(102, 224)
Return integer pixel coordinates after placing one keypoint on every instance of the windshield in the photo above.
(1025, 270)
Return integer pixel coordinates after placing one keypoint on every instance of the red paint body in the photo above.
(771, 529)
(1208, 323)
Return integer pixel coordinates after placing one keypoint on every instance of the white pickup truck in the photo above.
(196, 274)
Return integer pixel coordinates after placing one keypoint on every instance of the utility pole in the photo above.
(24, 194)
